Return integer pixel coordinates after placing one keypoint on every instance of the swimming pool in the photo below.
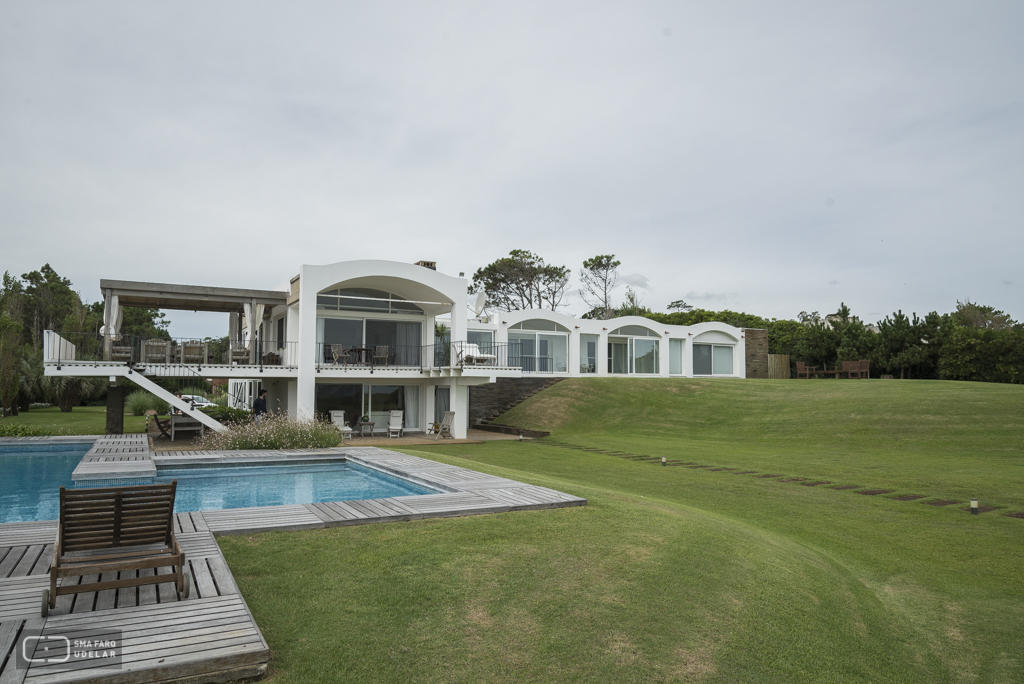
(31, 476)
(203, 489)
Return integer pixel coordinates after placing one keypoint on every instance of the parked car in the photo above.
(197, 400)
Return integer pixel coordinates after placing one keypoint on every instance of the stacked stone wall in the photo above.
(757, 352)
(487, 402)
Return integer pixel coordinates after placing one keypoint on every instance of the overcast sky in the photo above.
(764, 157)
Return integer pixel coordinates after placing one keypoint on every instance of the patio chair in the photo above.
(237, 354)
(380, 355)
(339, 355)
(446, 426)
(471, 354)
(396, 424)
(115, 530)
(338, 418)
(155, 350)
(193, 351)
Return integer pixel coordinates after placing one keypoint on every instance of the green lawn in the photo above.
(83, 420)
(683, 574)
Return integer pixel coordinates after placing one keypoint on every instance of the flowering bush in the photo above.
(276, 431)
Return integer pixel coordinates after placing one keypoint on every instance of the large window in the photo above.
(539, 352)
(712, 359)
(375, 401)
(402, 338)
(588, 353)
(483, 339)
(633, 349)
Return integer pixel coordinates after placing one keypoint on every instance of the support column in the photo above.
(115, 409)
(460, 404)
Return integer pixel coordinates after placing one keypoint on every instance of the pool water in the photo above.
(202, 489)
(31, 476)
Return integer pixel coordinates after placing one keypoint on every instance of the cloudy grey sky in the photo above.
(766, 157)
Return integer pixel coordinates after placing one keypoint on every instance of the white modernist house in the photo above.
(370, 337)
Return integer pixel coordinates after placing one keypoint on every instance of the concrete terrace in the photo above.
(211, 636)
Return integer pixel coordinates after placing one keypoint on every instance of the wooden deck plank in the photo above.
(85, 601)
(203, 583)
(147, 592)
(11, 560)
(222, 575)
(28, 561)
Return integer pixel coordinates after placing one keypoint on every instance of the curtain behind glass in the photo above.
(620, 357)
(442, 401)
(723, 360)
(412, 406)
(702, 359)
(408, 348)
(557, 352)
(675, 357)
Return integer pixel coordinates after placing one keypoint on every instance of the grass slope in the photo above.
(669, 574)
(83, 420)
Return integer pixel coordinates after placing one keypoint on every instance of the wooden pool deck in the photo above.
(211, 636)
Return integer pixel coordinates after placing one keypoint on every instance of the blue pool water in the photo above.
(30, 478)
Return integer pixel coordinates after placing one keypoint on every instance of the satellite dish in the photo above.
(480, 303)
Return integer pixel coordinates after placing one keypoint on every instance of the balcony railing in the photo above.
(338, 357)
(177, 351)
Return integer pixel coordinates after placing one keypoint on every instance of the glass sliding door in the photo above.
(702, 359)
(618, 356)
(645, 355)
(552, 353)
(380, 401)
(347, 398)
(588, 353)
(523, 349)
(721, 360)
(402, 339)
(344, 331)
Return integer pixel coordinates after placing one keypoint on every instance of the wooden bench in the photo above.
(186, 424)
(115, 530)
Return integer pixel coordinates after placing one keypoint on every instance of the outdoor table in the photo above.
(363, 426)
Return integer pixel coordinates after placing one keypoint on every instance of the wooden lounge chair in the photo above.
(446, 426)
(380, 355)
(396, 424)
(115, 530)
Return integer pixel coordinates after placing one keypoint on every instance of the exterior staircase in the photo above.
(487, 402)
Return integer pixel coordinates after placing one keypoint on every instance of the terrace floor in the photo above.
(211, 635)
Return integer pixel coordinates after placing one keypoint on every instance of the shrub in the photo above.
(228, 415)
(9, 429)
(140, 401)
(276, 431)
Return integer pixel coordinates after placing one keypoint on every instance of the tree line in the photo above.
(972, 342)
(44, 300)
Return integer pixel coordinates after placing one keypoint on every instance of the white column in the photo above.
(427, 402)
(573, 355)
(664, 352)
(460, 404)
(305, 400)
(602, 353)
(688, 356)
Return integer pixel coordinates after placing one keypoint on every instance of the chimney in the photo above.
(432, 265)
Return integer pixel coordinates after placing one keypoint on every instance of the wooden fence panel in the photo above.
(778, 366)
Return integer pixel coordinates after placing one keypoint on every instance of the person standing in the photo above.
(259, 407)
